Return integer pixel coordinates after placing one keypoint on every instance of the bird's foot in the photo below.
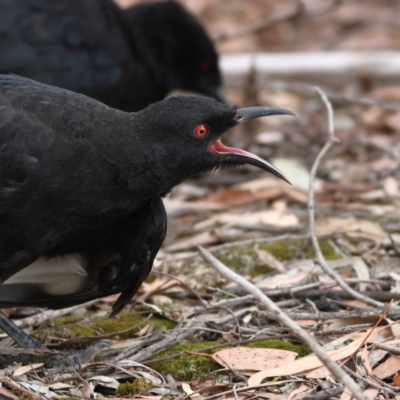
(49, 357)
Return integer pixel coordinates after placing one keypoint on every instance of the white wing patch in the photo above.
(59, 275)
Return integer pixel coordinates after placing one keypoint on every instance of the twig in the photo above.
(370, 382)
(184, 284)
(390, 349)
(16, 386)
(325, 394)
(132, 349)
(286, 321)
(314, 240)
(44, 316)
(323, 316)
(173, 338)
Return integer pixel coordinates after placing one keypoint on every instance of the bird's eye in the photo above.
(205, 66)
(201, 130)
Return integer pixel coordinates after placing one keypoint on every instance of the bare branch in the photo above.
(320, 257)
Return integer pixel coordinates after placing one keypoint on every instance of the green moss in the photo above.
(139, 386)
(300, 349)
(99, 357)
(113, 325)
(187, 367)
(327, 250)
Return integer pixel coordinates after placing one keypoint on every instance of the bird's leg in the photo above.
(18, 335)
(51, 361)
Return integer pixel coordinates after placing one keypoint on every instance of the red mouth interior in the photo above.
(220, 148)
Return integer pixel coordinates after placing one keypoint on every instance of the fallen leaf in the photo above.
(301, 390)
(188, 390)
(26, 368)
(353, 227)
(388, 368)
(371, 393)
(305, 364)
(255, 359)
(6, 394)
(318, 373)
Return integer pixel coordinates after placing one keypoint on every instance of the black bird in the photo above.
(126, 59)
(81, 215)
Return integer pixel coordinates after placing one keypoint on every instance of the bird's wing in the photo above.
(140, 243)
(77, 45)
(135, 241)
(51, 177)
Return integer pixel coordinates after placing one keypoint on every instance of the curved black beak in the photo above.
(244, 114)
(234, 155)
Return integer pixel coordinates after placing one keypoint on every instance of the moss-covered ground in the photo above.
(78, 327)
(196, 367)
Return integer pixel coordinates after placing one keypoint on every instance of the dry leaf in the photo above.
(280, 281)
(388, 368)
(396, 380)
(6, 394)
(356, 228)
(305, 363)
(188, 390)
(318, 373)
(26, 368)
(246, 358)
(238, 197)
(371, 393)
(302, 389)
(201, 239)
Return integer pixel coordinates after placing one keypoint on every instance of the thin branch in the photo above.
(44, 316)
(386, 347)
(323, 316)
(286, 321)
(320, 257)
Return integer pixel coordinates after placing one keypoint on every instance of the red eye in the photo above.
(201, 130)
(205, 66)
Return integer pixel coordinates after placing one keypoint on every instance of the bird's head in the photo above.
(180, 45)
(186, 134)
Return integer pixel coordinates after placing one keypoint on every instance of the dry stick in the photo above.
(321, 260)
(323, 316)
(38, 319)
(286, 321)
(390, 349)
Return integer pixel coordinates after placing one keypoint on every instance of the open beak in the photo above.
(234, 155)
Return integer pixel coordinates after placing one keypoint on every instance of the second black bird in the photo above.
(125, 58)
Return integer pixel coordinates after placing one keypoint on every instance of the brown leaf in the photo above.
(388, 368)
(245, 358)
(304, 364)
